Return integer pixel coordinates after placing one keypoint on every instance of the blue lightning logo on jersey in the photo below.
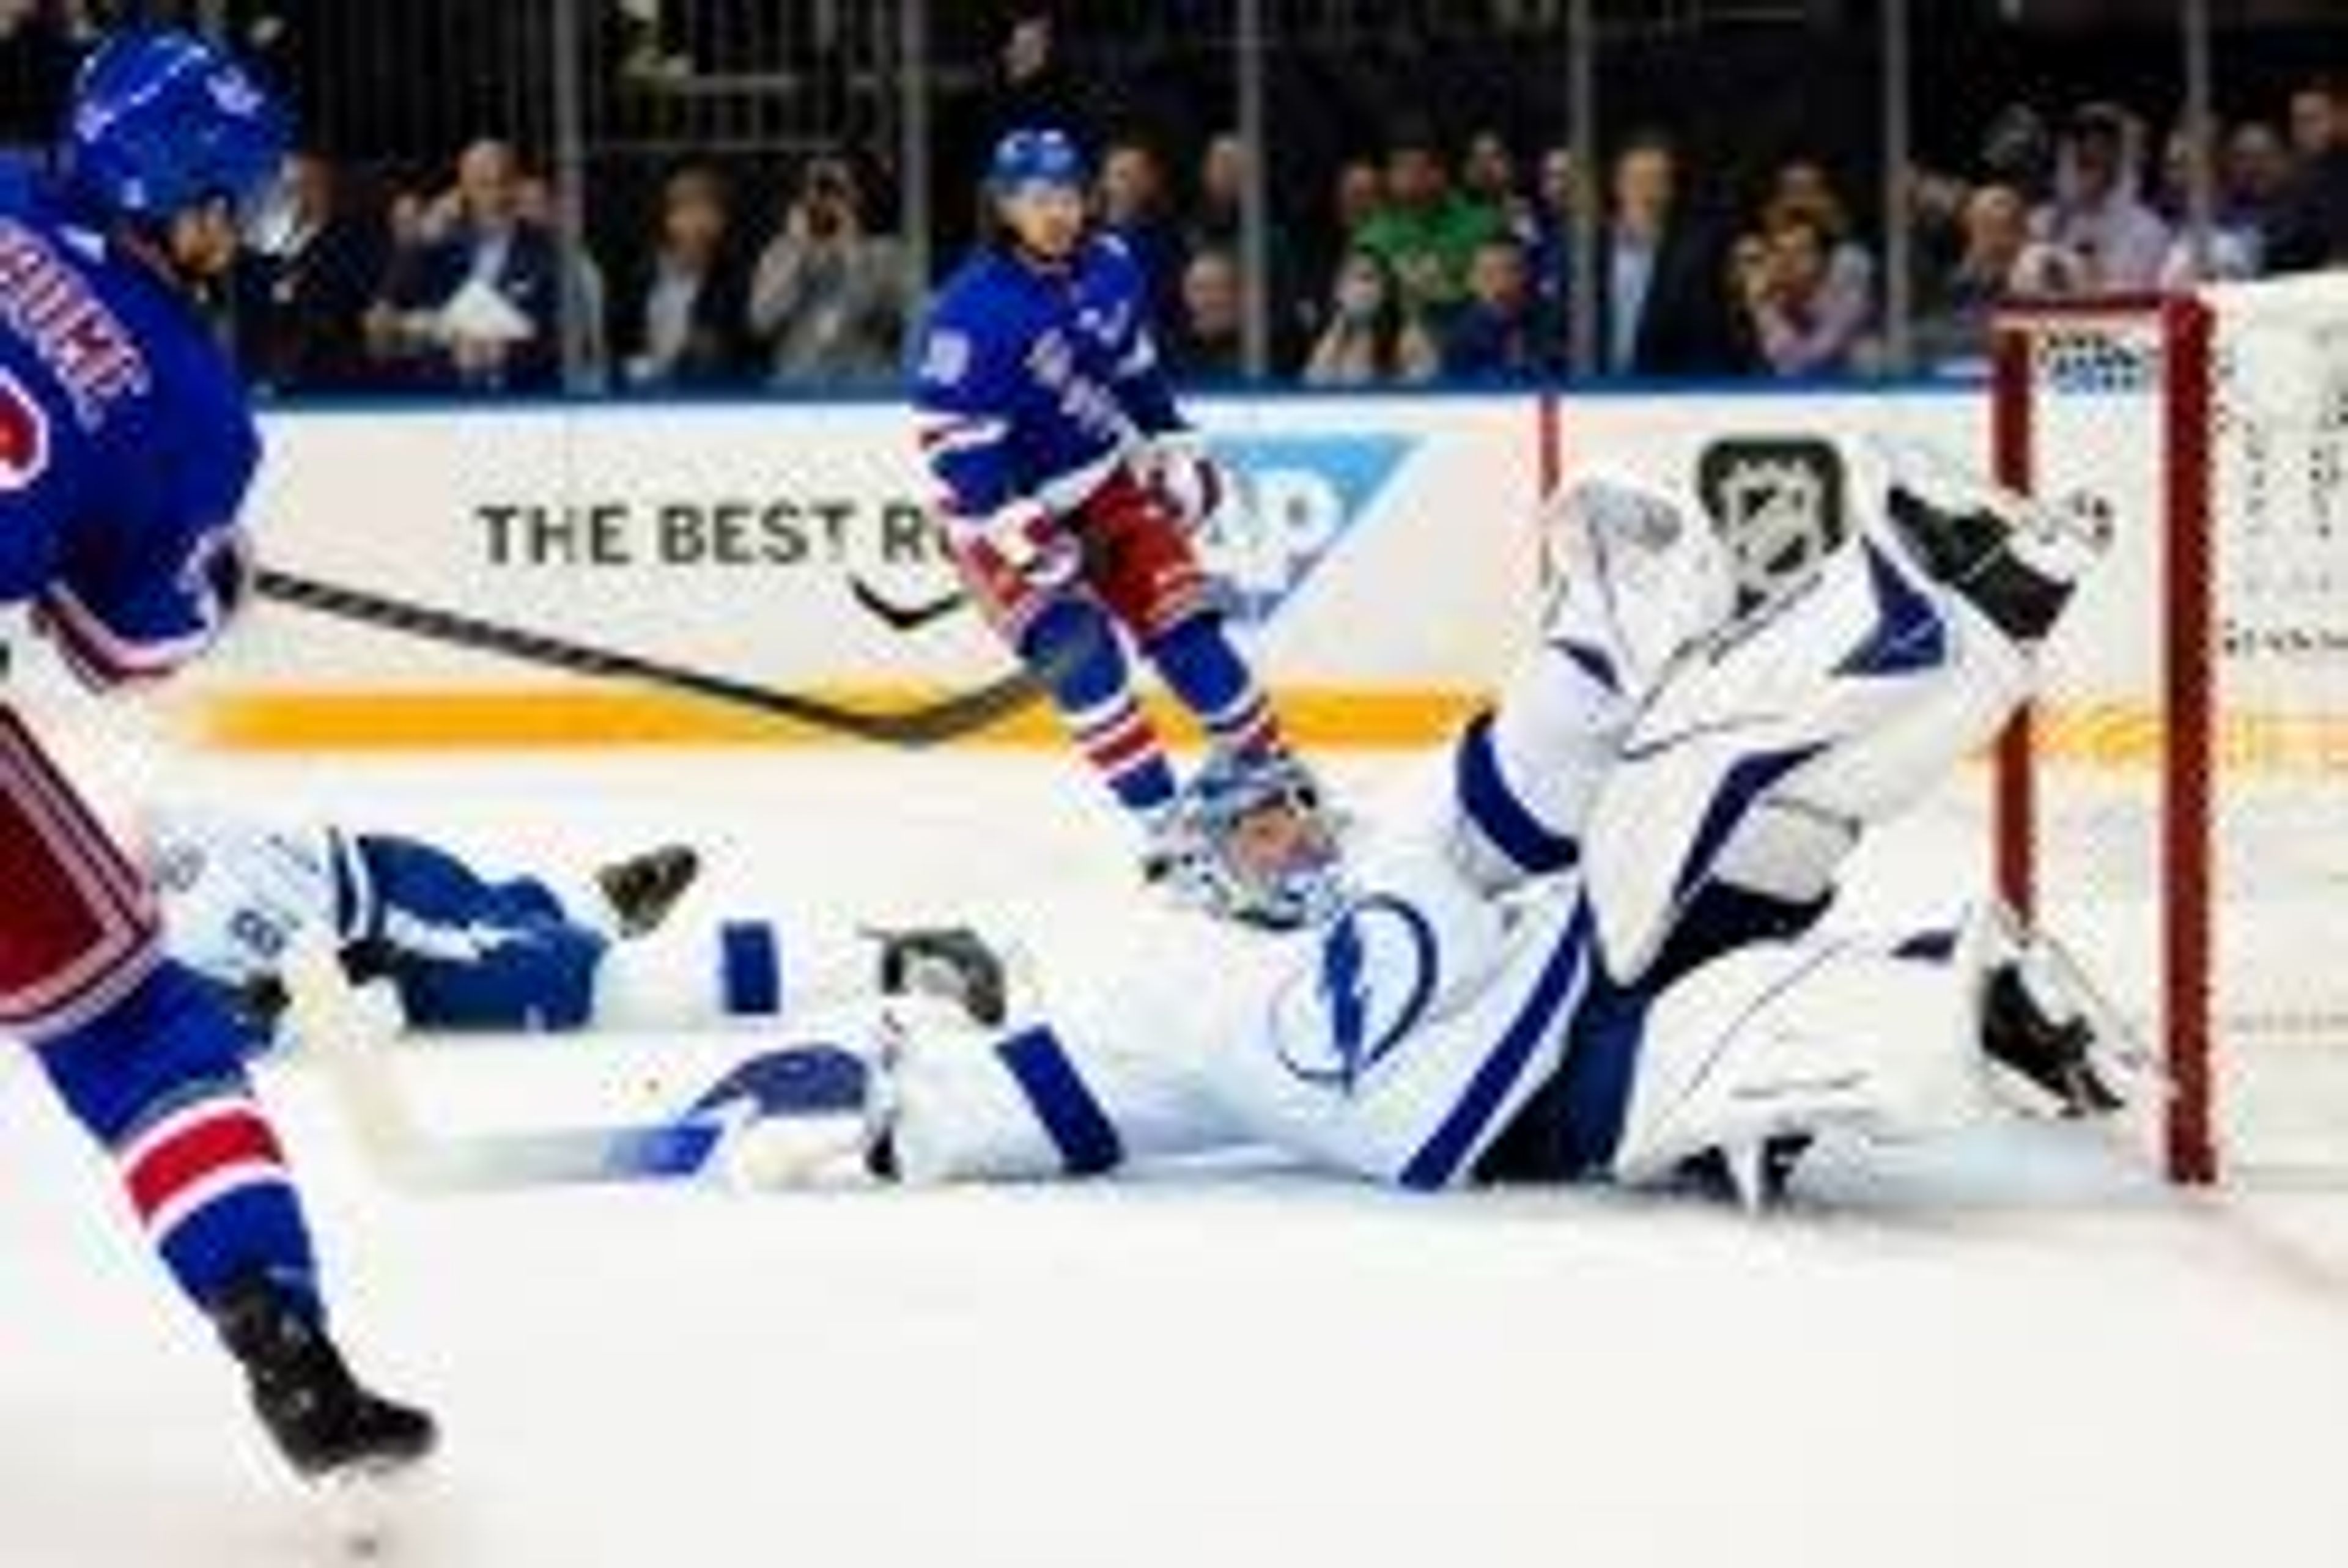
(1342, 991)
(1371, 988)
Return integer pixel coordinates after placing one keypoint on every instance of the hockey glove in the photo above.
(1176, 467)
(1023, 542)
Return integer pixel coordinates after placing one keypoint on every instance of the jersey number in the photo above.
(24, 436)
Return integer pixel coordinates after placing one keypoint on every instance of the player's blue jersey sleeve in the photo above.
(1141, 384)
(966, 395)
(148, 583)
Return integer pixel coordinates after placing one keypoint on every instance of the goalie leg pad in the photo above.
(1640, 579)
(1760, 760)
(1797, 1038)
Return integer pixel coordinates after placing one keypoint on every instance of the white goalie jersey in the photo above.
(1537, 912)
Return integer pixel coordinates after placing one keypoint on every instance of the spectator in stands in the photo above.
(1663, 297)
(2319, 119)
(1032, 85)
(1208, 341)
(830, 300)
(2234, 242)
(1487, 176)
(540, 203)
(1372, 338)
(1217, 214)
(2311, 227)
(1803, 184)
(685, 322)
(2097, 214)
(2256, 180)
(1356, 191)
(1217, 224)
(1502, 333)
(1803, 192)
(1135, 206)
(1807, 322)
(1424, 230)
(1551, 256)
(1952, 330)
(1359, 191)
(300, 301)
(2018, 150)
(472, 302)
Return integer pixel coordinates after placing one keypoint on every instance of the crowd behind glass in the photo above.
(1441, 252)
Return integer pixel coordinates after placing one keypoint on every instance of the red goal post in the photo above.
(2195, 716)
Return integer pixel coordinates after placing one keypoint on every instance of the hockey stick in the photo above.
(349, 1041)
(927, 724)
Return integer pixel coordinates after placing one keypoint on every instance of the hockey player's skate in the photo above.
(324, 1420)
(951, 962)
(642, 889)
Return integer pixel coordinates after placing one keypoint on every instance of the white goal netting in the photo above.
(2189, 830)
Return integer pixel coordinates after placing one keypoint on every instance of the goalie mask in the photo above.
(1255, 846)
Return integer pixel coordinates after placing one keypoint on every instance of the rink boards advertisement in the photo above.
(1386, 566)
(1381, 569)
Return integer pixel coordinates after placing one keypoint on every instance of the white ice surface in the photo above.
(2004, 1361)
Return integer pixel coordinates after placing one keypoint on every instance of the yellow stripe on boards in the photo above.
(554, 717)
(2106, 736)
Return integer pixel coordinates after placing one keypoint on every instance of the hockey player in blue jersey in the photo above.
(126, 449)
(1070, 484)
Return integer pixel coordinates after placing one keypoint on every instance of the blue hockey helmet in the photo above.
(164, 121)
(1035, 155)
(1256, 845)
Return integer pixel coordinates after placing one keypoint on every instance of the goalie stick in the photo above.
(927, 724)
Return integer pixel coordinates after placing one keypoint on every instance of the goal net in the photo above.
(2175, 807)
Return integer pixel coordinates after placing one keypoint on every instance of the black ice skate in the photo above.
(950, 961)
(644, 888)
(323, 1421)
